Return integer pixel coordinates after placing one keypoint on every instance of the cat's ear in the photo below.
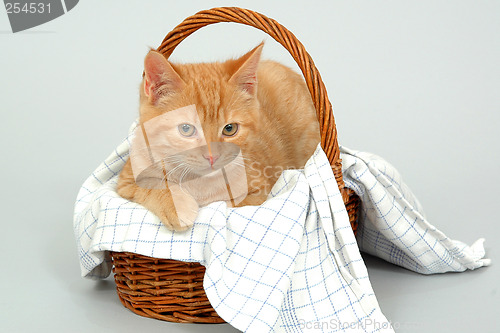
(245, 75)
(160, 78)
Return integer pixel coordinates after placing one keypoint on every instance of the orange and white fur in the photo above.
(263, 107)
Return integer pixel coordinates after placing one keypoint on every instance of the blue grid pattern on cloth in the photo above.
(293, 262)
(393, 224)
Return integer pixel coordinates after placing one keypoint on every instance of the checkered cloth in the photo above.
(393, 224)
(289, 265)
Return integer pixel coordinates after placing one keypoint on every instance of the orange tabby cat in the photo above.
(262, 107)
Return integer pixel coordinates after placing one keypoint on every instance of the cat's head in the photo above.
(226, 112)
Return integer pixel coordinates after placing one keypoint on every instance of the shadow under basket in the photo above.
(173, 290)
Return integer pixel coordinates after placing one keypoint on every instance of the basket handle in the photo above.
(292, 44)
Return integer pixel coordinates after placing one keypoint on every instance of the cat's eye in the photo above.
(230, 129)
(186, 129)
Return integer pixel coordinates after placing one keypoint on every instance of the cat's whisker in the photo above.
(239, 164)
(186, 171)
(244, 158)
(171, 172)
(173, 158)
(249, 162)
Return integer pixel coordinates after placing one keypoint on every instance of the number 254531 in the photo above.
(31, 8)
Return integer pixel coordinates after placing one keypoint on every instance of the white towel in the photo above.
(289, 265)
(392, 221)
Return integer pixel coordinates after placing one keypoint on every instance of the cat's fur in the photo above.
(278, 128)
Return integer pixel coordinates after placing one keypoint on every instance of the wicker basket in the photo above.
(173, 290)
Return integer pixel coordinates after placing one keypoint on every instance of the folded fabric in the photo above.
(392, 221)
(289, 265)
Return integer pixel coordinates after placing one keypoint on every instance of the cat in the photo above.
(256, 117)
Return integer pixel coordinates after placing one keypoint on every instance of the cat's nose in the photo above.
(211, 158)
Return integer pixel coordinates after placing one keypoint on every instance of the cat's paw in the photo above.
(183, 214)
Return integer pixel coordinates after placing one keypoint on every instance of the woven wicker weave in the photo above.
(173, 290)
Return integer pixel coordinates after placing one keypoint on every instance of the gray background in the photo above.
(415, 82)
